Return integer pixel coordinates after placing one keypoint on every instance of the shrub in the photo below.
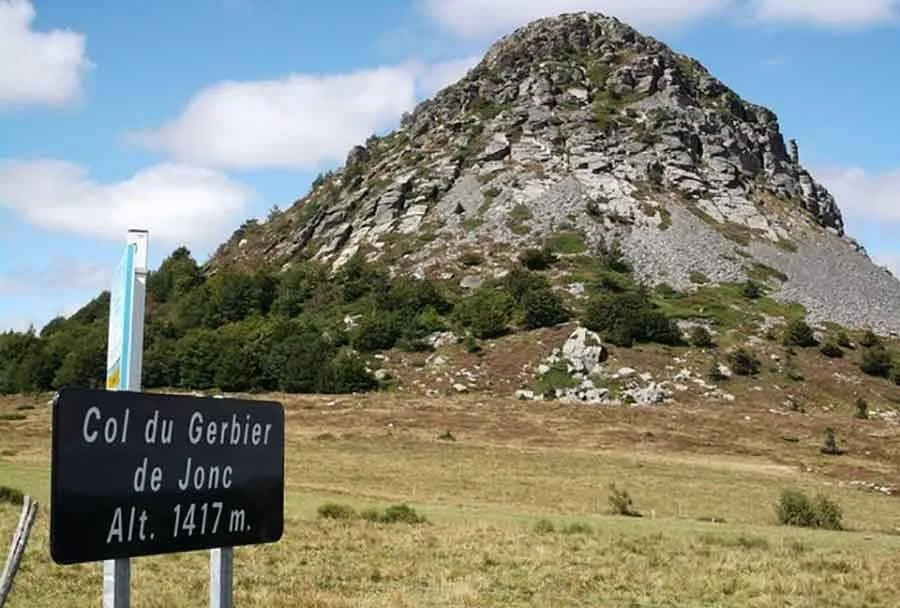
(538, 259)
(446, 436)
(378, 331)
(843, 340)
(869, 339)
(332, 510)
(629, 317)
(743, 362)
(487, 312)
(829, 443)
(751, 290)
(799, 333)
(11, 496)
(876, 361)
(401, 513)
(544, 526)
(346, 373)
(832, 350)
(862, 409)
(794, 508)
(471, 258)
(578, 527)
(621, 503)
(543, 308)
(700, 337)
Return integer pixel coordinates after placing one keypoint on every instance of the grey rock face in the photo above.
(579, 123)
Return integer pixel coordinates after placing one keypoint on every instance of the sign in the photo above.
(142, 474)
(120, 310)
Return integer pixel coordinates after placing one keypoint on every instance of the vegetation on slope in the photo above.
(306, 330)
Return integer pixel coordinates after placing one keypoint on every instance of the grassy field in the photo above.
(517, 510)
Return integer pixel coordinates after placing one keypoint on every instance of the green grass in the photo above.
(725, 306)
(763, 273)
(567, 243)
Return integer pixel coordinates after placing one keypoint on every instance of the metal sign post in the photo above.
(124, 359)
(221, 575)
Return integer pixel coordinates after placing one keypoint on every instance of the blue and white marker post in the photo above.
(124, 360)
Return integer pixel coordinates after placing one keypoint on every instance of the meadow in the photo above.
(515, 497)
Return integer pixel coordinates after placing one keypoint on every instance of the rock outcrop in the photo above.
(581, 126)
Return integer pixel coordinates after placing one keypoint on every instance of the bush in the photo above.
(700, 337)
(629, 317)
(829, 443)
(378, 331)
(487, 312)
(862, 409)
(538, 259)
(743, 362)
(544, 526)
(332, 510)
(843, 340)
(869, 339)
(401, 513)
(543, 308)
(831, 350)
(346, 373)
(794, 508)
(621, 503)
(11, 496)
(877, 361)
(751, 290)
(799, 333)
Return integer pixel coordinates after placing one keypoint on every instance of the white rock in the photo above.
(584, 351)
(460, 388)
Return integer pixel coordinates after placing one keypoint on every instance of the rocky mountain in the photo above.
(580, 130)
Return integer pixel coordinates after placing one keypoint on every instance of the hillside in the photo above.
(579, 126)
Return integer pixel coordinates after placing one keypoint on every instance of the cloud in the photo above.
(59, 274)
(489, 18)
(862, 196)
(175, 203)
(828, 13)
(296, 122)
(433, 78)
(38, 68)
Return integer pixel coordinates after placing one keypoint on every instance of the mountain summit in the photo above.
(579, 130)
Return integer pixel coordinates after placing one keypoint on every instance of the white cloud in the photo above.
(175, 203)
(59, 274)
(433, 78)
(487, 18)
(38, 67)
(296, 122)
(862, 196)
(828, 13)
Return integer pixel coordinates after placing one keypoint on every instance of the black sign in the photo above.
(142, 474)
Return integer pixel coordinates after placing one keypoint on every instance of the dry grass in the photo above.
(513, 465)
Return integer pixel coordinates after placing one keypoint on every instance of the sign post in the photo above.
(124, 361)
(136, 473)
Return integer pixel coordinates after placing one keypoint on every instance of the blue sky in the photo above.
(187, 118)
